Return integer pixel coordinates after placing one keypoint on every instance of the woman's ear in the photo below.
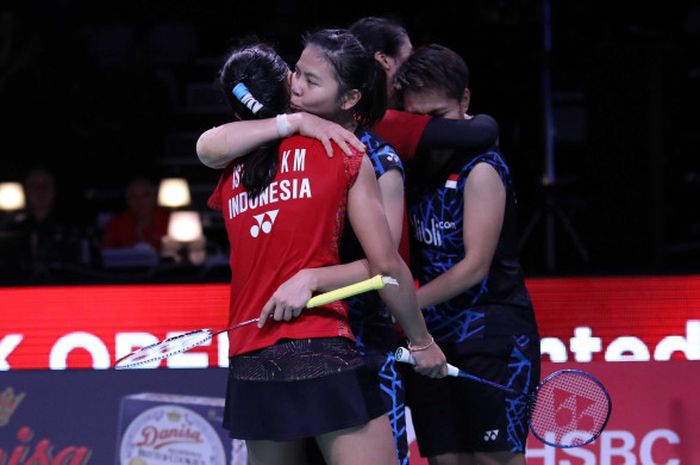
(465, 100)
(384, 60)
(350, 99)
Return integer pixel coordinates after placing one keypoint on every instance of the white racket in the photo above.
(184, 342)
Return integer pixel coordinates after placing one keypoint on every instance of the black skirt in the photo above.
(298, 389)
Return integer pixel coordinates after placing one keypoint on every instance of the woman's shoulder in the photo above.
(383, 155)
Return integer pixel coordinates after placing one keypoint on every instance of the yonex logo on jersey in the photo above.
(490, 435)
(264, 223)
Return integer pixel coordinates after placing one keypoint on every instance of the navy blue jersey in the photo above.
(369, 318)
(500, 304)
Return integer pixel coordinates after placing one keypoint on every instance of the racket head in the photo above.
(146, 356)
(570, 408)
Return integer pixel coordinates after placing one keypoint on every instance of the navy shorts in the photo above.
(460, 415)
(298, 389)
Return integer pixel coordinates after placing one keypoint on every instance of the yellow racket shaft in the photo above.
(371, 284)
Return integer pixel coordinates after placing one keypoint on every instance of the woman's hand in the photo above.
(430, 362)
(290, 298)
(326, 131)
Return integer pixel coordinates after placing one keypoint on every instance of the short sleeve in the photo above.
(352, 166)
(386, 159)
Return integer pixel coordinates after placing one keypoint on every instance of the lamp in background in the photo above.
(11, 196)
(185, 226)
(174, 192)
(185, 239)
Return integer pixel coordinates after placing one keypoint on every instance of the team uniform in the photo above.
(302, 378)
(375, 333)
(488, 330)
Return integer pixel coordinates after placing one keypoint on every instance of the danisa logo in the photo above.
(30, 451)
(264, 223)
(169, 434)
(9, 401)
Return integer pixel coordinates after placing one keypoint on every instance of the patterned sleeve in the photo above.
(352, 166)
(382, 155)
(384, 159)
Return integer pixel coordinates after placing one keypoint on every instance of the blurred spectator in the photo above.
(39, 239)
(142, 222)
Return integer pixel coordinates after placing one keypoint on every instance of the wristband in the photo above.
(284, 129)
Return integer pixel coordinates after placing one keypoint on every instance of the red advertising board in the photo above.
(654, 420)
(580, 320)
(639, 335)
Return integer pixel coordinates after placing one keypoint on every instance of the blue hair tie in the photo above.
(241, 92)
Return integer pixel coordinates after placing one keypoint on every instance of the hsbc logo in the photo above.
(264, 222)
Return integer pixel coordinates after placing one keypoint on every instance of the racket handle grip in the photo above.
(371, 284)
(404, 355)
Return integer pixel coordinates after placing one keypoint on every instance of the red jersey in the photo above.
(402, 130)
(295, 223)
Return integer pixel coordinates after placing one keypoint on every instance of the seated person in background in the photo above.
(41, 237)
(142, 222)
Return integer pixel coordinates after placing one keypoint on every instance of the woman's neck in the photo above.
(347, 121)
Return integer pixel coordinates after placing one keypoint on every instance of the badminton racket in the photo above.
(569, 408)
(146, 356)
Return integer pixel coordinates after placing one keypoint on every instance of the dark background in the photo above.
(105, 91)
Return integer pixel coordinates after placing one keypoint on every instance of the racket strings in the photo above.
(164, 349)
(569, 410)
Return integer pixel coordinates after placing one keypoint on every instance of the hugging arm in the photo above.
(217, 147)
(476, 134)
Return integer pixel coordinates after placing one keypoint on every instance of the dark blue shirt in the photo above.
(500, 304)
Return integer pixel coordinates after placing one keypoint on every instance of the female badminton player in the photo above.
(300, 375)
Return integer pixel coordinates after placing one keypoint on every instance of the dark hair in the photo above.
(258, 75)
(433, 67)
(380, 34)
(354, 68)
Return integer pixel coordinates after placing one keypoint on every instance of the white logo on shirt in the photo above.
(265, 222)
(490, 435)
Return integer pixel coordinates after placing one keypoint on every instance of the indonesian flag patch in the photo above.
(451, 182)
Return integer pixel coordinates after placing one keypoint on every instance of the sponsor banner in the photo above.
(580, 319)
(92, 326)
(618, 319)
(655, 417)
(72, 417)
(163, 429)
